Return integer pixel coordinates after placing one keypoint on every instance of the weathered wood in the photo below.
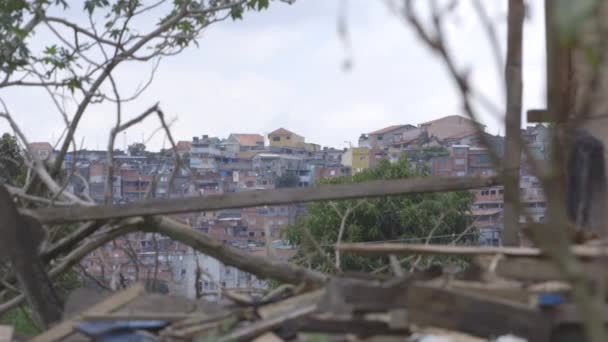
(538, 116)
(287, 305)
(584, 251)
(20, 238)
(258, 198)
(348, 296)
(534, 269)
(513, 141)
(257, 328)
(476, 315)
(353, 325)
(65, 328)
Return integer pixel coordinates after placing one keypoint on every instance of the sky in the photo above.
(283, 67)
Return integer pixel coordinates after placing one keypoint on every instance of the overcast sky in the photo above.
(283, 68)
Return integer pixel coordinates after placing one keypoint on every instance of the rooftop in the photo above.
(389, 129)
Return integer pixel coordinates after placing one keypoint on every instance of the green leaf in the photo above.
(236, 12)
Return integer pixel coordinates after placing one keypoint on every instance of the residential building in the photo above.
(387, 136)
(284, 138)
(41, 150)
(357, 158)
(450, 126)
(203, 153)
(463, 160)
(183, 148)
(242, 142)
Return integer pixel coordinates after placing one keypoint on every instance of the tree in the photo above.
(436, 217)
(287, 180)
(137, 149)
(78, 62)
(12, 167)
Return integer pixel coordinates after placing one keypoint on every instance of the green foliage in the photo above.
(12, 166)
(408, 218)
(21, 319)
(118, 21)
(572, 16)
(287, 180)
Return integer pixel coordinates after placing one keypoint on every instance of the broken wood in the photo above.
(65, 328)
(255, 329)
(583, 251)
(533, 269)
(476, 315)
(378, 188)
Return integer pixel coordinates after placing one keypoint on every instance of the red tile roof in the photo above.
(41, 146)
(183, 145)
(246, 139)
(445, 117)
(387, 129)
(461, 135)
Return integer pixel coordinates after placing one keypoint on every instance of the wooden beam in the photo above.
(539, 116)
(532, 269)
(473, 314)
(258, 198)
(405, 249)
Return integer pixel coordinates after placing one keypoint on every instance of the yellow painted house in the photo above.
(284, 138)
(357, 158)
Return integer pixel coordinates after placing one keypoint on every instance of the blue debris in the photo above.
(115, 331)
(550, 299)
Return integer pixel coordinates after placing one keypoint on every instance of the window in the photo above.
(251, 234)
(459, 162)
(288, 137)
(276, 138)
(379, 137)
(362, 158)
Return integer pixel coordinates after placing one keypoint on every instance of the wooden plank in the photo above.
(287, 305)
(539, 116)
(583, 251)
(476, 315)
(6, 333)
(533, 269)
(257, 328)
(65, 328)
(258, 198)
(348, 296)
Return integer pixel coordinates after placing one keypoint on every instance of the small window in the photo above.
(276, 138)
(251, 234)
(288, 137)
